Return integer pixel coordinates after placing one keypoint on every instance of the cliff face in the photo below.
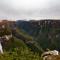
(45, 32)
(30, 26)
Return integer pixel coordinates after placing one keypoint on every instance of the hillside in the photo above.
(16, 48)
(45, 32)
(29, 39)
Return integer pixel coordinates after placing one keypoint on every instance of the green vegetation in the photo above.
(48, 37)
(24, 34)
(45, 32)
(17, 50)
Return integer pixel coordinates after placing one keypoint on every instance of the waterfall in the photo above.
(1, 49)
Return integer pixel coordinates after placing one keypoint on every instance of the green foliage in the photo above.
(24, 34)
(20, 54)
(17, 50)
(49, 37)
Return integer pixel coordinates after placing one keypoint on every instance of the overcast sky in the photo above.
(29, 9)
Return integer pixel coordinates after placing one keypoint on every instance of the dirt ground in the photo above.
(57, 57)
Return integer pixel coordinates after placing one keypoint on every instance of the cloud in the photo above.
(27, 9)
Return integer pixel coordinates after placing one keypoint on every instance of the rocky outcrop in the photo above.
(50, 54)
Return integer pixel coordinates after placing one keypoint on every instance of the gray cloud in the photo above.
(27, 9)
